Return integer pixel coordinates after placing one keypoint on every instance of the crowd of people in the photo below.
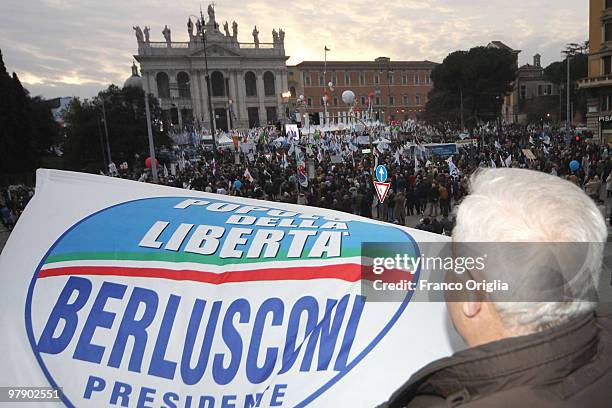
(13, 201)
(332, 168)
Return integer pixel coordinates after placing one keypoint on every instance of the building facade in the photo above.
(538, 98)
(599, 82)
(397, 89)
(510, 107)
(532, 95)
(246, 79)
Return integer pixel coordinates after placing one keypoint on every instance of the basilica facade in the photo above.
(246, 79)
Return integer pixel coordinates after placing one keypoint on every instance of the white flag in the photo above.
(247, 175)
(452, 169)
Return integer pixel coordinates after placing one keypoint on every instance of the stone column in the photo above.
(242, 106)
(278, 88)
(173, 84)
(203, 97)
(196, 101)
(260, 97)
(234, 97)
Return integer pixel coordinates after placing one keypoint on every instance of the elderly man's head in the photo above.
(523, 206)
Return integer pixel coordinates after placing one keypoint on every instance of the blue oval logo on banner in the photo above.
(174, 301)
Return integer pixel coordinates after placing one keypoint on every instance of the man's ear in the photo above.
(471, 309)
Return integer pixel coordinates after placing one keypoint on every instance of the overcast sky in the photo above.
(77, 47)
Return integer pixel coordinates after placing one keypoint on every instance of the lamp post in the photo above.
(348, 97)
(569, 52)
(140, 85)
(230, 108)
(151, 141)
(110, 160)
(286, 95)
(202, 33)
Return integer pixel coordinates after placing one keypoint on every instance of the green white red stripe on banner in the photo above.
(345, 269)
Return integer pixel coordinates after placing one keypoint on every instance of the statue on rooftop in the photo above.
(190, 27)
(235, 31)
(256, 37)
(167, 34)
(211, 13)
(139, 35)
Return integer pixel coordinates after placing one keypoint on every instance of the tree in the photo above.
(478, 79)
(27, 129)
(557, 74)
(85, 149)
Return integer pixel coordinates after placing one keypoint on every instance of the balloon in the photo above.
(148, 163)
(348, 97)
(574, 165)
(237, 184)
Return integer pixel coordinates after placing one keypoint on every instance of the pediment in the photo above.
(216, 50)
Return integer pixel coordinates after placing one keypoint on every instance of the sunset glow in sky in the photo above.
(78, 47)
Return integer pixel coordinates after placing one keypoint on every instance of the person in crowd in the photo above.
(593, 188)
(552, 349)
(433, 196)
(425, 225)
(436, 226)
(444, 199)
(274, 172)
(6, 215)
(399, 208)
(447, 225)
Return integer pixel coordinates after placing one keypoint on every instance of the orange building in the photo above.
(599, 82)
(398, 89)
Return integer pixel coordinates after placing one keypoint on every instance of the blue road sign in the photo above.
(381, 173)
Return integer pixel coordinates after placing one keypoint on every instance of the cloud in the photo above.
(70, 47)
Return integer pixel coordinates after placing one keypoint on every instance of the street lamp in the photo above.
(202, 32)
(286, 95)
(110, 160)
(571, 51)
(135, 81)
(348, 97)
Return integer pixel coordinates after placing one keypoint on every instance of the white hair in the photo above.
(509, 205)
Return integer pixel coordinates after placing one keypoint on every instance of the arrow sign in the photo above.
(381, 173)
(381, 190)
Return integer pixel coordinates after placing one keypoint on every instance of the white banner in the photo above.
(132, 294)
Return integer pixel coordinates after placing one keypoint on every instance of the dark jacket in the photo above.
(567, 366)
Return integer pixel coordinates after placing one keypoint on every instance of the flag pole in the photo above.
(325, 49)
